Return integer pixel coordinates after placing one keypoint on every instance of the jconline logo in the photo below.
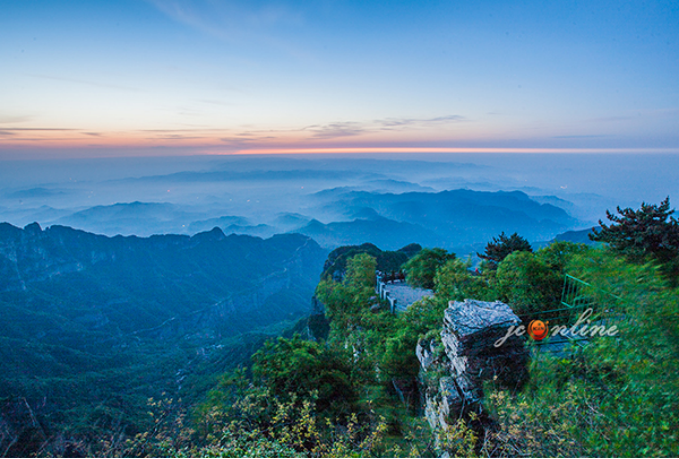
(538, 329)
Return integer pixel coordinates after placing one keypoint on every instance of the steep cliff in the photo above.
(92, 325)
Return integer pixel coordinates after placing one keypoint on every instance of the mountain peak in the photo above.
(215, 234)
(33, 228)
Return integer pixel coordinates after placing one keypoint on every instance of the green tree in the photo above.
(421, 269)
(558, 254)
(387, 260)
(398, 359)
(649, 231)
(361, 271)
(346, 301)
(298, 367)
(501, 246)
(454, 282)
(528, 284)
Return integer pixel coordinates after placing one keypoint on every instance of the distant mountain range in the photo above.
(338, 216)
(450, 219)
(387, 233)
(247, 176)
(578, 236)
(130, 218)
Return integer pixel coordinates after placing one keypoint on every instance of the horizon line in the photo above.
(355, 150)
(127, 152)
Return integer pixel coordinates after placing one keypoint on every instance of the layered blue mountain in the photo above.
(140, 218)
(388, 233)
(451, 219)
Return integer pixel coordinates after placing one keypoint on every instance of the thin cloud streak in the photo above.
(238, 137)
(40, 129)
(592, 136)
(227, 20)
(239, 24)
(392, 122)
(11, 119)
(354, 128)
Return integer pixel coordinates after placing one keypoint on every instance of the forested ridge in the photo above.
(93, 326)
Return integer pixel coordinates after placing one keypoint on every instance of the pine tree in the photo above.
(501, 246)
(650, 230)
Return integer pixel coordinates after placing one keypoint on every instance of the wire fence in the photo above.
(582, 305)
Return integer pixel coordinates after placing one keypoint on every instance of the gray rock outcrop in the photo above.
(454, 369)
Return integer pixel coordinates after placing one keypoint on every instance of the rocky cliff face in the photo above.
(455, 365)
(61, 285)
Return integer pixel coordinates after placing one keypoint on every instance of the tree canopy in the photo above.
(528, 283)
(297, 366)
(651, 230)
(421, 269)
(501, 246)
(387, 260)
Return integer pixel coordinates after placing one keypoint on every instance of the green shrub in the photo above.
(421, 269)
(528, 284)
(617, 396)
(454, 282)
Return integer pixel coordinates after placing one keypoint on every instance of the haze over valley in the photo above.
(452, 201)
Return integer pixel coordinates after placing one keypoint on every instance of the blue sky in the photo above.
(208, 76)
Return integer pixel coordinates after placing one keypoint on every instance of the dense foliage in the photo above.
(421, 269)
(528, 283)
(454, 282)
(614, 397)
(387, 260)
(297, 368)
(501, 246)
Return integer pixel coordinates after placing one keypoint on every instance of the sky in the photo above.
(161, 77)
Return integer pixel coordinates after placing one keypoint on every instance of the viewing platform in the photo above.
(398, 293)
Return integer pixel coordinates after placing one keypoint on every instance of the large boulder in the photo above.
(471, 329)
(453, 376)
